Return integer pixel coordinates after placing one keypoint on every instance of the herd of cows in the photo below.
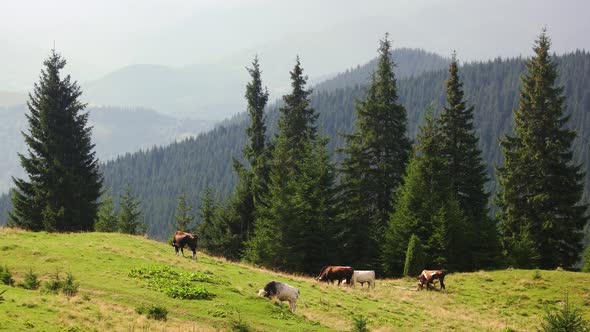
(329, 274)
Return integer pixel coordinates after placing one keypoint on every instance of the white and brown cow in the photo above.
(363, 277)
(427, 278)
(282, 292)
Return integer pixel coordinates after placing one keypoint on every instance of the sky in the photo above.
(98, 37)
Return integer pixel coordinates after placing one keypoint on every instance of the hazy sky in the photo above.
(98, 37)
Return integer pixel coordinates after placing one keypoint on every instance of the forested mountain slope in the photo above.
(116, 131)
(159, 175)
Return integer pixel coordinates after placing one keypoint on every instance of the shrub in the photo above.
(54, 284)
(360, 324)
(565, 319)
(154, 311)
(31, 281)
(414, 257)
(177, 284)
(238, 324)
(537, 275)
(70, 287)
(6, 276)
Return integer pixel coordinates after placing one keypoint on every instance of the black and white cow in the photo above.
(282, 292)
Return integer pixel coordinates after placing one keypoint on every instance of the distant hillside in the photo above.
(409, 62)
(215, 92)
(109, 293)
(116, 131)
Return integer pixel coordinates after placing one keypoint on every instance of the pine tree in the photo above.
(467, 172)
(425, 206)
(130, 220)
(64, 184)
(414, 257)
(206, 228)
(375, 158)
(183, 216)
(541, 187)
(256, 152)
(298, 209)
(297, 121)
(239, 213)
(107, 216)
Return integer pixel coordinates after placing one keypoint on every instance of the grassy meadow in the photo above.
(506, 300)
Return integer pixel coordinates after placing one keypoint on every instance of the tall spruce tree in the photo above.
(256, 152)
(375, 159)
(467, 172)
(425, 206)
(299, 206)
(540, 213)
(63, 185)
(239, 213)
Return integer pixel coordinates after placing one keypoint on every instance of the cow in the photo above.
(331, 273)
(364, 276)
(182, 239)
(427, 278)
(282, 292)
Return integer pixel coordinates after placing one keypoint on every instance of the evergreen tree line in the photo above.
(397, 209)
(159, 174)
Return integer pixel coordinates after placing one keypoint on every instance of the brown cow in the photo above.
(331, 273)
(182, 239)
(427, 278)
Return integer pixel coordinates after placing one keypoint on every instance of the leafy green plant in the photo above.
(360, 324)
(70, 287)
(177, 284)
(31, 281)
(537, 275)
(154, 311)
(565, 319)
(6, 276)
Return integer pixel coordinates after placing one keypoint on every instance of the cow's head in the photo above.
(262, 292)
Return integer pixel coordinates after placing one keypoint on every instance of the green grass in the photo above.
(111, 268)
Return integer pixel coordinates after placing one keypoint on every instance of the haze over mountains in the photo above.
(115, 131)
(198, 50)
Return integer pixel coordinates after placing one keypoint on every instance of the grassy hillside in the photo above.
(108, 296)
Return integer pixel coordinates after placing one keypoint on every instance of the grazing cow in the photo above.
(282, 292)
(182, 239)
(331, 273)
(364, 276)
(427, 278)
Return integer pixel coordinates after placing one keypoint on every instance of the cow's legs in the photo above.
(176, 250)
(194, 254)
(442, 284)
(182, 251)
(292, 305)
